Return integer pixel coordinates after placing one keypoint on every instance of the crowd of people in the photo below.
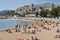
(42, 24)
(57, 36)
(25, 29)
(32, 38)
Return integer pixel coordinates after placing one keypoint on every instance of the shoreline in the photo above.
(32, 19)
(29, 18)
(47, 32)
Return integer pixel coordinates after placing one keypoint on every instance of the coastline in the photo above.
(31, 18)
(42, 35)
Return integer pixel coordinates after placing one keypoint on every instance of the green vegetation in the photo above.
(55, 12)
(36, 14)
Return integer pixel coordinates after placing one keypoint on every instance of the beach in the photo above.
(43, 30)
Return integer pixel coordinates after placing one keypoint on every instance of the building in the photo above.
(30, 15)
(45, 6)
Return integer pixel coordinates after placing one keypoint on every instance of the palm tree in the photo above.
(32, 7)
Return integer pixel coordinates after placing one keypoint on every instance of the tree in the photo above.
(58, 11)
(32, 7)
(41, 8)
(27, 12)
(12, 12)
(45, 13)
(54, 12)
(36, 14)
(41, 12)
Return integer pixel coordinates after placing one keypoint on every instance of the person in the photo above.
(24, 29)
(29, 27)
(44, 28)
(19, 26)
(22, 39)
(53, 26)
(57, 24)
(36, 38)
(19, 39)
(28, 31)
(57, 36)
(48, 28)
(32, 24)
(58, 30)
(16, 28)
(32, 38)
(9, 31)
(27, 39)
(42, 25)
(33, 32)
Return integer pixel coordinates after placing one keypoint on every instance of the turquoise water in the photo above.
(4, 23)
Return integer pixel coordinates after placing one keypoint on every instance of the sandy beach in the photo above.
(47, 32)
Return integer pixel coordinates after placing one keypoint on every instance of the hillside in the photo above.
(47, 6)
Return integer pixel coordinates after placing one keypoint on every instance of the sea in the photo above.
(5, 23)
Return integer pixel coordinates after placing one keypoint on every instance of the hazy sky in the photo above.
(13, 4)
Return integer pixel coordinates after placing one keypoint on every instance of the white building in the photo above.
(30, 15)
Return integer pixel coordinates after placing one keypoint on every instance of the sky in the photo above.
(14, 4)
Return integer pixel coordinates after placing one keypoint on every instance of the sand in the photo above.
(43, 35)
